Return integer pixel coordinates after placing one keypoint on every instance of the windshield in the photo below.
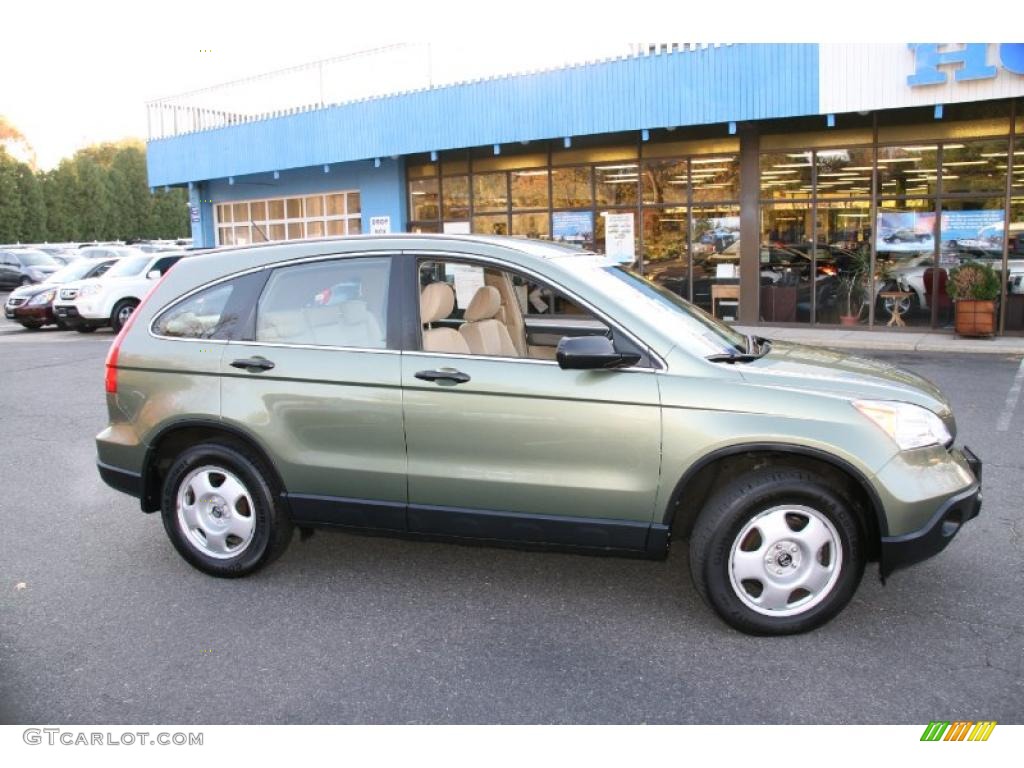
(76, 270)
(129, 267)
(670, 312)
(36, 259)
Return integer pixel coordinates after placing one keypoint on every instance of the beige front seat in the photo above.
(483, 333)
(437, 300)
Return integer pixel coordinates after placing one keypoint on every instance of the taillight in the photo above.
(110, 381)
(112, 353)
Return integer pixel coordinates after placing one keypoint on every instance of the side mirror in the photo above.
(153, 274)
(592, 352)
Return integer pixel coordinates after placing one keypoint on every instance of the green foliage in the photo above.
(12, 211)
(973, 280)
(101, 193)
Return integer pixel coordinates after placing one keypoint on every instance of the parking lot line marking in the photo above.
(1011, 400)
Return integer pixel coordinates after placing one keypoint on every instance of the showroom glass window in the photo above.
(815, 248)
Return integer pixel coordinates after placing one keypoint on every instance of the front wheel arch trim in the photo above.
(787, 448)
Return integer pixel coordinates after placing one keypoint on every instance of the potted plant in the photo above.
(974, 287)
(851, 290)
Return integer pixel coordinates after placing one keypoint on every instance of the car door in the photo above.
(517, 448)
(10, 270)
(317, 382)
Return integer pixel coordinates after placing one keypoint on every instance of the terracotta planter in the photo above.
(975, 318)
(849, 319)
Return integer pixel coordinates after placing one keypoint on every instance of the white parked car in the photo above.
(110, 300)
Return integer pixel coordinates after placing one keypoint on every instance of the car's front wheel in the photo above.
(122, 311)
(777, 551)
(220, 512)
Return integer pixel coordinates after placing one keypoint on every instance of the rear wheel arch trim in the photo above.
(151, 496)
(789, 448)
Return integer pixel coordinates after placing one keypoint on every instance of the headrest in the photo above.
(485, 304)
(437, 300)
(353, 312)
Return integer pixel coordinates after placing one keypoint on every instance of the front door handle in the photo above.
(253, 364)
(444, 374)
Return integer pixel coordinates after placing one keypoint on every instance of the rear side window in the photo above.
(200, 317)
(162, 265)
(341, 303)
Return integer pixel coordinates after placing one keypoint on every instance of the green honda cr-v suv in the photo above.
(515, 391)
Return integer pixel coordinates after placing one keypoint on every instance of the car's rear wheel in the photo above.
(32, 326)
(121, 312)
(219, 510)
(777, 551)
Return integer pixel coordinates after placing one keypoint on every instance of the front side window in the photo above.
(482, 310)
(341, 303)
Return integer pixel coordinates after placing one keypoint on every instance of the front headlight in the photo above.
(42, 298)
(910, 426)
(88, 290)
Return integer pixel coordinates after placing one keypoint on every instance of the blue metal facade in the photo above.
(711, 85)
(684, 88)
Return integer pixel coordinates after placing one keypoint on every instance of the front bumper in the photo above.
(25, 314)
(910, 548)
(69, 315)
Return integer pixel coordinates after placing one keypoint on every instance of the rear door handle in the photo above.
(253, 364)
(444, 374)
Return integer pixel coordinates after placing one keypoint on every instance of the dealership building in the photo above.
(769, 183)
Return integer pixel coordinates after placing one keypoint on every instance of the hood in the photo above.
(28, 291)
(837, 373)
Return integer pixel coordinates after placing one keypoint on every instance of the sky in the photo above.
(79, 73)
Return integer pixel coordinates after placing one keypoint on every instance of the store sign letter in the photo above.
(967, 63)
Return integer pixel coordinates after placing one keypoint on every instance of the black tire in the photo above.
(85, 328)
(121, 312)
(62, 326)
(32, 326)
(725, 516)
(272, 528)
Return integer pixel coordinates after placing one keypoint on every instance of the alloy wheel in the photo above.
(216, 512)
(785, 560)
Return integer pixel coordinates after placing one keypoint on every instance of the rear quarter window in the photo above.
(202, 316)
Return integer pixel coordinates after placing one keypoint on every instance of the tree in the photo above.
(60, 189)
(93, 199)
(30, 190)
(101, 193)
(12, 211)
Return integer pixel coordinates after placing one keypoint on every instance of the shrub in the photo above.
(973, 280)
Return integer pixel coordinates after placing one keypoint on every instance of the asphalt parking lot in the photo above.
(102, 622)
